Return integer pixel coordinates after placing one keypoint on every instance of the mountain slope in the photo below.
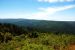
(43, 26)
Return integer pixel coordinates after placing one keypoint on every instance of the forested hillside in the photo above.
(36, 35)
(43, 25)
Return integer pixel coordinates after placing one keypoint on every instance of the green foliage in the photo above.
(14, 39)
(33, 35)
(44, 41)
(5, 37)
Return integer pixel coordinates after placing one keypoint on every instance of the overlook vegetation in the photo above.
(19, 35)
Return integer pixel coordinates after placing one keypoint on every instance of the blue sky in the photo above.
(60, 10)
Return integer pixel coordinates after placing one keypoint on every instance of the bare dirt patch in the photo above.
(71, 47)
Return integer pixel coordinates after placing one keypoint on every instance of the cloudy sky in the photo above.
(59, 10)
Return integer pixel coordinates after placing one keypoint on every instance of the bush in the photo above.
(33, 35)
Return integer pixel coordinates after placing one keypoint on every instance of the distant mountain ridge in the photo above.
(43, 25)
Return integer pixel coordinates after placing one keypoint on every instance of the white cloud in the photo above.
(69, 0)
(45, 13)
(51, 1)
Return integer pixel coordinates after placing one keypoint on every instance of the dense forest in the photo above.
(36, 35)
(43, 25)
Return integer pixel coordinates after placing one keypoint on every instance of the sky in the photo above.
(58, 10)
